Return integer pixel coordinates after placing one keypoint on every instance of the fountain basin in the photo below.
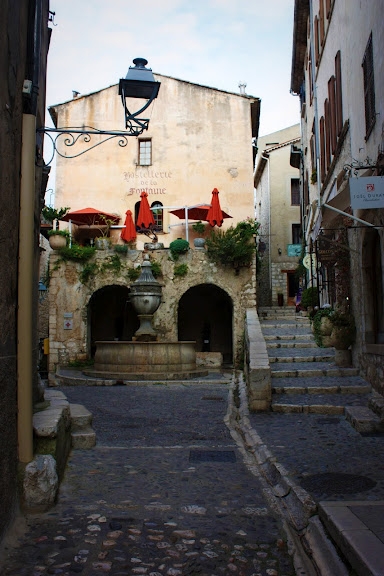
(145, 360)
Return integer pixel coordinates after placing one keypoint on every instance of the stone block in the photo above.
(322, 549)
(209, 359)
(363, 419)
(80, 416)
(83, 439)
(40, 483)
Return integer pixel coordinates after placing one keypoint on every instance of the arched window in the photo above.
(158, 216)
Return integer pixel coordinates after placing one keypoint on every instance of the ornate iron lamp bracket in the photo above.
(63, 139)
(356, 165)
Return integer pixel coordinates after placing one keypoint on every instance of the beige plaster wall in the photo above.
(275, 212)
(201, 139)
(67, 295)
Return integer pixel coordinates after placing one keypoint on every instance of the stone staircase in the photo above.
(305, 378)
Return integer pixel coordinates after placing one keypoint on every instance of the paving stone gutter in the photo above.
(313, 552)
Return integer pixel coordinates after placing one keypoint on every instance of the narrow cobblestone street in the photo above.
(164, 492)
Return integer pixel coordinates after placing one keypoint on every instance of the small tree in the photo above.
(50, 214)
(235, 246)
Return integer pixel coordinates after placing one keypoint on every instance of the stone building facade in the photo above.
(277, 199)
(199, 138)
(337, 71)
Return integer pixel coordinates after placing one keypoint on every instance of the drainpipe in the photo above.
(25, 289)
(26, 277)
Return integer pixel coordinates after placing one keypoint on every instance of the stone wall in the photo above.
(68, 296)
(279, 279)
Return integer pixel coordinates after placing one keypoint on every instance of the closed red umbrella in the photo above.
(128, 233)
(145, 218)
(215, 214)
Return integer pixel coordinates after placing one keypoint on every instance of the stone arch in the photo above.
(205, 314)
(372, 257)
(110, 316)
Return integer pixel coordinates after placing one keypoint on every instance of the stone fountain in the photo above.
(145, 357)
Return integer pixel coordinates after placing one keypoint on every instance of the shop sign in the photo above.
(367, 192)
(324, 249)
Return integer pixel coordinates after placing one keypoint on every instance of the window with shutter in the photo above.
(369, 88)
(338, 95)
(295, 192)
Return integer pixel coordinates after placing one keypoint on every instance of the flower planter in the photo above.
(57, 241)
(199, 243)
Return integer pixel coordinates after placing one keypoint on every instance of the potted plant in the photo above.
(103, 242)
(199, 228)
(178, 247)
(58, 238)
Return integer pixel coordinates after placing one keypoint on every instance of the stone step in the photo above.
(281, 324)
(309, 370)
(376, 404)
(305, 337)
(80, 416)
(83, 439)
(289, 344)
(326, 388)
(300, 359)
(364, 420)
(317, 403)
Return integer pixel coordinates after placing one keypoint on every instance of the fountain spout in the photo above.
(146, 298)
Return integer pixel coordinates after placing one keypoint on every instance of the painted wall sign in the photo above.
(293, 249)
(68, 324)
(367, 192)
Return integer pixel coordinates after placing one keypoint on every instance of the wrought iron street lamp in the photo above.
(140, 84)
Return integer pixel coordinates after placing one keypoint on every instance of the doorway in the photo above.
(110, 316)
(205, 316)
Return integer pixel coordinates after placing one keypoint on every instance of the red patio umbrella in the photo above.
(90, 217)
(215, 214)
(198, 212)
(145, 217)
(128, 233)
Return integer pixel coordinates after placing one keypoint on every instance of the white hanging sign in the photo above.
(367, 192)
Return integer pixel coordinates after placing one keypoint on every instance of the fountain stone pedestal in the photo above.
(145, 358)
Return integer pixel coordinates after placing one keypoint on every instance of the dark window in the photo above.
(369, 88)
(158, 215)
(295, 192)
(317, 47)
(322, 149)
(332, 113)
(338, 95)
(145, 152)
(321, 22)
(296, 228)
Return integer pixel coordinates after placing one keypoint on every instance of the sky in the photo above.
(215, 43)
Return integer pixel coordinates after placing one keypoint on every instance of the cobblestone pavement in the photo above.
(165, 492)
(325, 455)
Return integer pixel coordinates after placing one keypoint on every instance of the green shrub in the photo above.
(134, 273)
(316, 320)
(58, 233)
(180, 270)
(77, 253)
(235, 246)
(156, 268)
(310, 297)
(113, 263)
(199, 227)
(89, 271)
(178, 247)
(121, 248)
